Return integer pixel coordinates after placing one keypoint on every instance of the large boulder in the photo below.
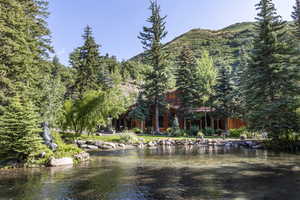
(92, 147)
(84, 156)
(61, 162)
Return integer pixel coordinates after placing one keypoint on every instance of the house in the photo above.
(173, 109)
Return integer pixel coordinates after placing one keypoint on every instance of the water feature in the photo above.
(165, 173)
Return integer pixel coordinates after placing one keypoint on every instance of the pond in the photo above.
(165, 173)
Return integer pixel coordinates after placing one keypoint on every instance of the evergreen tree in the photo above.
(86, 61)
(186, 79)
(224, 92)
(296, 18)
(271, 78)
(156, 81)
(24, 39)
(19, 130)
(140, 112)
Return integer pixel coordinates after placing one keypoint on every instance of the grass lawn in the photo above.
(116, 137)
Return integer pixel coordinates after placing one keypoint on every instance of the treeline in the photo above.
(263, 89)
(37, 92)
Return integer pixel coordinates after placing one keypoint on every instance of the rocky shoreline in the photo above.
(91, 145)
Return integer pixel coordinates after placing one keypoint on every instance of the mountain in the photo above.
(223, 44)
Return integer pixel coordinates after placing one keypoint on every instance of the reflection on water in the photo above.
(165, 173)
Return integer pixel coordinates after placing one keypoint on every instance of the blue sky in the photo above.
(117, 23)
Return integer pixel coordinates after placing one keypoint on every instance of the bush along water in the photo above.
(289, 141)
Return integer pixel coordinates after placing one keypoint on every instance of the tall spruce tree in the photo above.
(186, 79)
(156, 81)
(19, 130)
(86, 61)
(296, 18)
(24, 40)
(271, 78)
(224, 92)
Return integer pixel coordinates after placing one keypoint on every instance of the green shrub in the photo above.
(128, 138)
(285, 142)
(209, 131)
(236, 133)
(136, 130)
(193, 130)
(200, 134)
(63, 149)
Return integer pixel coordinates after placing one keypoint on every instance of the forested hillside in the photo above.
(224, 44)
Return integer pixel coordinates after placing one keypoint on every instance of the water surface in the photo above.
(189, 173)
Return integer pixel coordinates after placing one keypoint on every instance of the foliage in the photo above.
(128, 138)
(63, 149)
(19, 130)
(186, 79)
(224, 96)
(200, 134)
(94, 109)
(209, 131)
(156, 80)
(272, 77)
(140, 110)
(91, 73)
(193, 131)
(220, 44)
(24, 46)
(53, 94)
(296, 18)
(236, 133)
(137, 130)
(288, 141)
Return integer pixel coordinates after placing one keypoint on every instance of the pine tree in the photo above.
(296, 18)
(224, 92)
(186, 77)
(271, 78)
(86, 61)
(156, 81)
(25, 44)
(141, 111)
(19, 128)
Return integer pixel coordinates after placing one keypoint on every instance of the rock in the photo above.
(228, 144)
(112, 145)
(90, 142)
(83, 146)
(11, 163)
(80, 142)
(243, 137)
(258, 146)
(99, 143)
(92, 147)
(296, 169)
(61, 162)
(150, 144)
(42, 155)
(84, 156)
(122, 145)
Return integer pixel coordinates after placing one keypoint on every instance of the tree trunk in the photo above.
(156, 118)
(212, 121)
(205, 120)
(226, 124)
(184, 124)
